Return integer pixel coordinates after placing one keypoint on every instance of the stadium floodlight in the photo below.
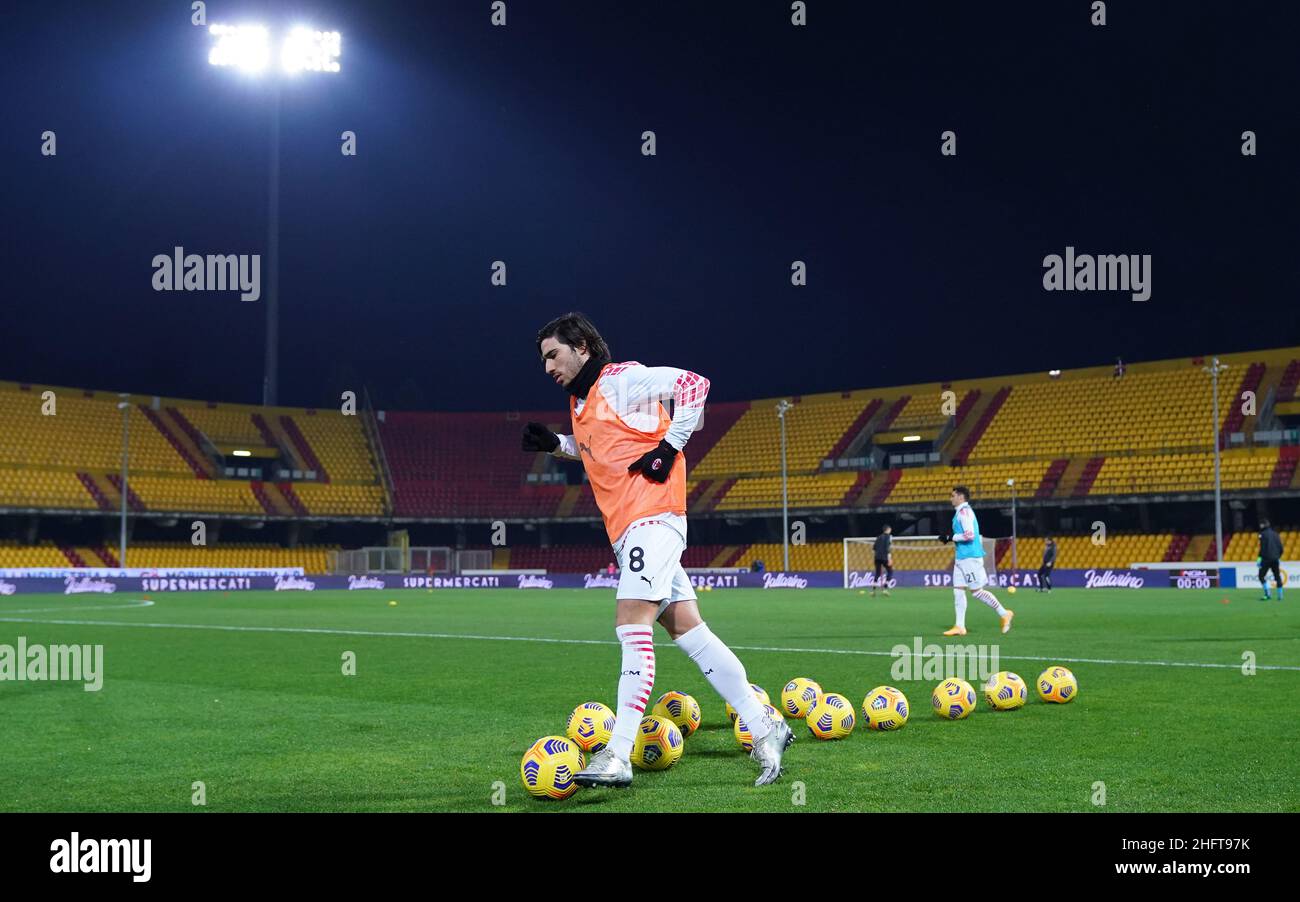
(248, 48)
(310, 51)
(243, 47)
(1214, 369)
(125, 406)
(781, 407)
(1015, 562)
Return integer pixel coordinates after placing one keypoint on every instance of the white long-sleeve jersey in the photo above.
(635, 391)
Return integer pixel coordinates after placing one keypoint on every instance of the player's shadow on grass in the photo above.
(602, 796)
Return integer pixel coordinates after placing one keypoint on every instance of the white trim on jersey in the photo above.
(634, 392)
(568, 448)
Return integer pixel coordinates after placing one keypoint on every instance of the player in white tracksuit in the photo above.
(968, 564)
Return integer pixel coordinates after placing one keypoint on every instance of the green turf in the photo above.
(268, 721)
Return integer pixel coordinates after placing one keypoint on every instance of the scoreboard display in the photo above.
(1204, 578)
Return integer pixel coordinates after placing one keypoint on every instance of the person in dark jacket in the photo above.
(1049, 561)
(883, 550)
(1270, 557)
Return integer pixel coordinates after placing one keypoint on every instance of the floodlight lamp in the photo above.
(307, 50)
(244, 47)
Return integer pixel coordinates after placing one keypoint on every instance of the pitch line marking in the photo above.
(139, 603)
(760, 648)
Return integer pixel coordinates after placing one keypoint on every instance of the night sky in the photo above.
(522, 144)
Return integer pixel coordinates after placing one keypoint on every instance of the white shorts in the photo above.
(649, 555)
(968, 573)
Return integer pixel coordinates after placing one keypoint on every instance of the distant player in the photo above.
(1049, 561)
(1270, 558)
(968, 566)
(629, 447)
(884, 553)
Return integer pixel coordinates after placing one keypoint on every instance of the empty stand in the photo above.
(1239, 469)
(82, 434)
(814, 426)
(1084, 435)
(822, 490)
(71, 459)
(469, 464)
(1165, 410)
(339, 443)
(312, 558)
(933, 485)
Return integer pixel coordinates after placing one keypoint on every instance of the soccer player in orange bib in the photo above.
(632, 452)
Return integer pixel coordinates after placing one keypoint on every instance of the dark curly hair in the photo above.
(576, 331)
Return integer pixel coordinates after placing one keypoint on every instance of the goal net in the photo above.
(918, 554)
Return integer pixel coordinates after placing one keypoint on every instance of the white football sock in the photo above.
(726, 675)
(959, 605)
(989, 599)
(634, 685)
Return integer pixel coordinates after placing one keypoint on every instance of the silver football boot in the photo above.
(606, 769)
(768, 751)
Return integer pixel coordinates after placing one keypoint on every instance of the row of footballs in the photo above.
(548, 766)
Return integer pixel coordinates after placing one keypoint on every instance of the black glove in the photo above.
(945, 538)
(538, 438)
(655, 465)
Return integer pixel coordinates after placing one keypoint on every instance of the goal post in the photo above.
(910, 553)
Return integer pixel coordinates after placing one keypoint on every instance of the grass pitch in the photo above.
(245, 692)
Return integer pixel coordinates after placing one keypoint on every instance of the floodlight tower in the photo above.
(248, 48)
(1015, 561)
(125, 406)
(1214, 369)
(781, 407)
